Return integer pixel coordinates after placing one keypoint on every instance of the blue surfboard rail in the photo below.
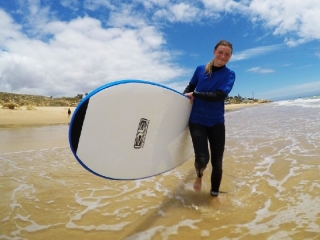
(111, 84)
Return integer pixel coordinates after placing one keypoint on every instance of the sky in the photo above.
(68, 47)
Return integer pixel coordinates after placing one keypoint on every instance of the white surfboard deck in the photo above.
(131, 129)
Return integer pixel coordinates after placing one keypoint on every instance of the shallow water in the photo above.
(271, 173)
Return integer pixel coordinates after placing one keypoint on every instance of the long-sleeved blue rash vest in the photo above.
(205, 112)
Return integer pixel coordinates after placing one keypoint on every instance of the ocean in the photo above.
(271, 174)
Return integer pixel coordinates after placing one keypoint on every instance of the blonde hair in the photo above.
(210, 64)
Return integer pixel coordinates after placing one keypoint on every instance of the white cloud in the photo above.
(97, 4)
(77, 55)
(149, 4)
(296, 20)
(36, 17)
(8, 28)
(81, 56)
(254, 52)
(222, 5)
(183, 12)
(260, 70)
(305, 87)
(72, 4)
(291, 90)
(126, 17)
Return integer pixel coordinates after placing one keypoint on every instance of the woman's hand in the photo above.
(190, 96)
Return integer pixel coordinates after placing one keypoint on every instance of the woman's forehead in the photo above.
(223, 48)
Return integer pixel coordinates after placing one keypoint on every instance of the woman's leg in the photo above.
(216, 135)
(200, 144)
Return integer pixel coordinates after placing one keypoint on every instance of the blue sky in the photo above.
(65, 47)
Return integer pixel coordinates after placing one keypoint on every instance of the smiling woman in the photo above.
(207, 90)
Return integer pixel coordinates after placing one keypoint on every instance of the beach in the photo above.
(15, 120)
(45, 116)
(55, 115)
(271, 176)
(37, 116)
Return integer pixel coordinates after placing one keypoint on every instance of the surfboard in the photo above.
(131, 129)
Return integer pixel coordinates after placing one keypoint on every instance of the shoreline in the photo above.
(233, 107)
(43, 116)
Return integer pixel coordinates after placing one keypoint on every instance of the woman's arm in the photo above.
(216, 96)
(189, 88)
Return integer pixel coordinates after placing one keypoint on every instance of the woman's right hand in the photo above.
(190, 96)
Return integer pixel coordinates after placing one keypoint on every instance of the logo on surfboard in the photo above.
(141, 133)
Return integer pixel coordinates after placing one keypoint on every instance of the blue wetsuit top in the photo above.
(209, 94)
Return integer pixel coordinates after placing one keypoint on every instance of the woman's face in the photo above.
(221, 55)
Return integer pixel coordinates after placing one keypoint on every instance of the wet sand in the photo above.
(271, 174)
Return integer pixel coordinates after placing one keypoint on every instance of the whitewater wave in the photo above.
(310, 102)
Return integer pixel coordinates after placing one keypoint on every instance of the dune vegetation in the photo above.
(15, 101)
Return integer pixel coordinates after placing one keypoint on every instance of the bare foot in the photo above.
(217, 201)
(197, 184)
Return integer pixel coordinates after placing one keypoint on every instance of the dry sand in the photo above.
(55, 115)
(38, 116)
(231, 107)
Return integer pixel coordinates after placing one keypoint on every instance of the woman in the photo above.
(207, 90)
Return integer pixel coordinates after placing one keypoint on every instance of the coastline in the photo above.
(58, 115)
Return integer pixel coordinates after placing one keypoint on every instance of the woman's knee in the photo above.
(202, 161)
(216, 165)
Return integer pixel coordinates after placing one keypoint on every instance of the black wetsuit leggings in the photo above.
(216, 135)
